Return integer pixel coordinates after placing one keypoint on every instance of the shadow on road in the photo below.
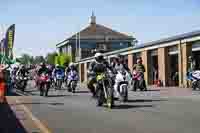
(126, 106)
(29, 91)
(145, 100)
(153, 90)
(82, 92)
(39, 103)
(57, 96)
(9, 123)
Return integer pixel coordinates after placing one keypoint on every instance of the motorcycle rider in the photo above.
(139, 67)
(56, 70)
(22, 71)
(192, 63)
(68, 69)
(119, 64)
(96, 66)
(13, 75)
(43, 69)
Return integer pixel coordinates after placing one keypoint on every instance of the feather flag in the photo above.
(9, 41)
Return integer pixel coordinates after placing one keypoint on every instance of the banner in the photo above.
(10, 34)
(2, 46)
(9, 40)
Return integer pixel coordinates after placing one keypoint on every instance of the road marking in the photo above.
(37, 122)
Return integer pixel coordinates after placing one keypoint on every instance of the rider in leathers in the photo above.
(97, 66)
(22, 71)
(70, 68)
(119, 64)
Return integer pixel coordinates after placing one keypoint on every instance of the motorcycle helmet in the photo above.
(42, 64)
(139, 60)
(98, 57)
(71, 64)
(57, 65)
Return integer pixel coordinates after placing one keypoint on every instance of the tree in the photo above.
(39, 59)
(25, 59)
(63, 59)
(51, 57)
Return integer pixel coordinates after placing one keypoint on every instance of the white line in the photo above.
(39, 124)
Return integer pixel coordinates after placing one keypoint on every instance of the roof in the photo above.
(154, 43)
(97, 31)
(170, 39)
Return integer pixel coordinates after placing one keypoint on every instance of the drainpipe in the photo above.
(180, 65)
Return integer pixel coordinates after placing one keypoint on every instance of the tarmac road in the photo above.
(151, 111)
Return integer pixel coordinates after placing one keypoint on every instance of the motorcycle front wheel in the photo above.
(23, 85)
(47, 86)
(100, 97)
(110, 98)
(73, 86)
(124, 95)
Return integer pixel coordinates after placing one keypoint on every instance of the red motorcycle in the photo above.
(44, 84)
(138, 81)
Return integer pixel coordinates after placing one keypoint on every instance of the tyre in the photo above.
(110, 99)
(99, 95)
(59, 84)
(73, 86)
(135, 86)
(23, 85)
(194, 85)
(47, 86)
(125, 95)
(41, 90)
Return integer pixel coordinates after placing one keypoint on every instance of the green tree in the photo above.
(39, 59)
(51, 57)
(25, 59)
(63, 59)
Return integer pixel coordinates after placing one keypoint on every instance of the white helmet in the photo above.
(57, 65)
(71, 64)
(97, 55)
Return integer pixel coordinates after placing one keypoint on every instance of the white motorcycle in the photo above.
(195, 78)
(121, 85)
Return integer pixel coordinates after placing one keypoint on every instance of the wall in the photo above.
(183, 50)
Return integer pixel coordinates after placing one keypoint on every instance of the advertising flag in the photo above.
(9, 41)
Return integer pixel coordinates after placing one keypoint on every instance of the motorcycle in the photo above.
(72, 81)
(138, 81)
(194, 77)
(121, 85)
(104, 90)
(21, 82)
(59, 80)
(44, 84)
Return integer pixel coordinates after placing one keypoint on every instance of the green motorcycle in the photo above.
(104, 90)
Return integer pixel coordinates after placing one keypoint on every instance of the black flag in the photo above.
(9, 40)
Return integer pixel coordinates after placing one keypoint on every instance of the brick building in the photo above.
(169, 57)
(94, 37)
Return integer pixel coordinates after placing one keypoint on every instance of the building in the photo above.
(168, 57)
(94, 37)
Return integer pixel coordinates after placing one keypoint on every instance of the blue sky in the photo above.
(40, 24)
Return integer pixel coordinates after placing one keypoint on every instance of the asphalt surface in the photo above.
(151, 111)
